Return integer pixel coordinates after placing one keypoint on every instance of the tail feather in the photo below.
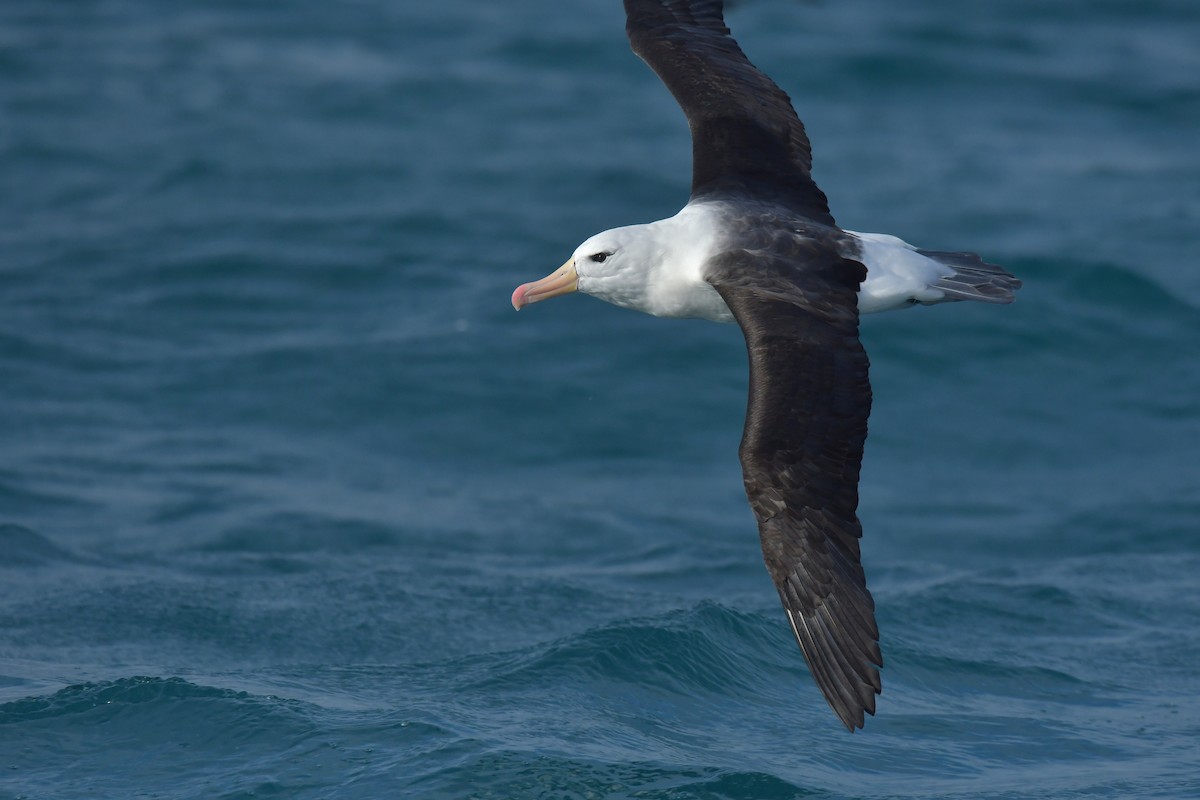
(973, 278)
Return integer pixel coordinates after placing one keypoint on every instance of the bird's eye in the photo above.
(599, 258)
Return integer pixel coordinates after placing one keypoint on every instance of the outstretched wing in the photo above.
(801, 450)
(746, 137)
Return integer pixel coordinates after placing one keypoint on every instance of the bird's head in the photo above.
(613, 266)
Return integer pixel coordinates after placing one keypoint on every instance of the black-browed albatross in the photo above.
(756, 244)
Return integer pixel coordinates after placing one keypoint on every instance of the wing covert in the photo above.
(746, 137)
(806, 424)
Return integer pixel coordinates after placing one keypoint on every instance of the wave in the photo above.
(24, 547)
(289, 533)
(111, 696)
(514, 773)
(705, 650)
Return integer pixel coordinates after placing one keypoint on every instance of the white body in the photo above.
(657, 268)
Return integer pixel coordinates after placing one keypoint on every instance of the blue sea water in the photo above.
(292, 504)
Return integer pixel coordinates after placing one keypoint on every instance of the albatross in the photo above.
(756, 245)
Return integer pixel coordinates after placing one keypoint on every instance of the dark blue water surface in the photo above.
(292, 504)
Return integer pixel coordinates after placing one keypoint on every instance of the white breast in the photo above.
(677, 287)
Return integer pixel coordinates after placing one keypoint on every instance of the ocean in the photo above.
(293, 504)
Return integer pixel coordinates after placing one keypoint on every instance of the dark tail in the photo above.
(974, 278)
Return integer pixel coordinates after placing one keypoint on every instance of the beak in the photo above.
(563, 280)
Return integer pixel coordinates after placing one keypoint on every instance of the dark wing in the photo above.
(746, 138)
(801, 450)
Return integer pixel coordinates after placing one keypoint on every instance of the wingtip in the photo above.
(854, 719)
(849, 688)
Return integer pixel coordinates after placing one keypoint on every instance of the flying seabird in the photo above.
(756, 245)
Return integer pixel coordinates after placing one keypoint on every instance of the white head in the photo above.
(615, 266)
